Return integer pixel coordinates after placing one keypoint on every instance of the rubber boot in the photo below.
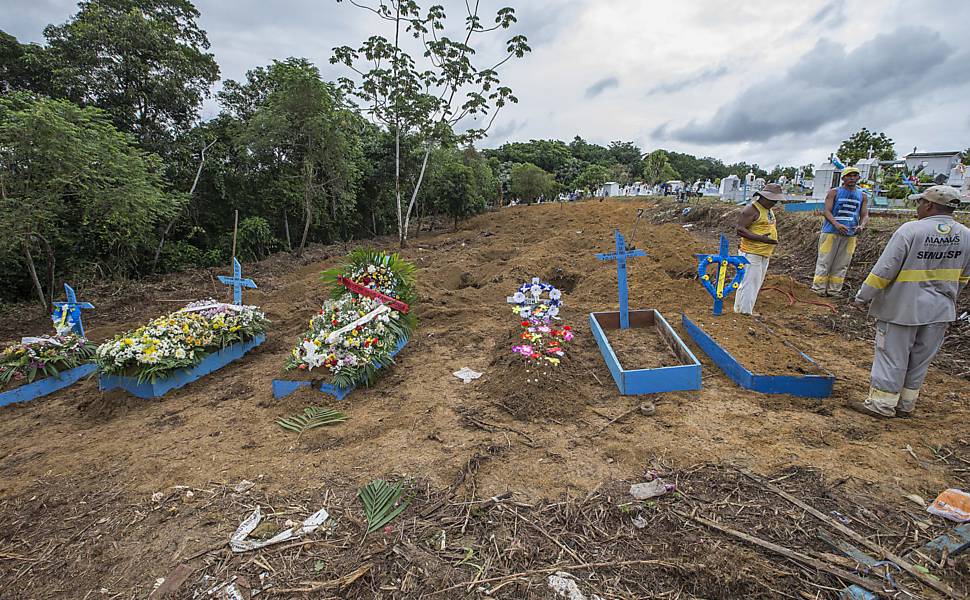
(907, 403)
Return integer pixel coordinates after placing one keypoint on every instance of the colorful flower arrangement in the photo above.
(543, 341)
(179, 340)
(354, 334)
(38, 358)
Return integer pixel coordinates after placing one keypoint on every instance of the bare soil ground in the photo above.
(101, 494)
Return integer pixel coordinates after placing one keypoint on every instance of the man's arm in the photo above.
(886, 268)
(748, 216)
(829, 205)
(863, 212)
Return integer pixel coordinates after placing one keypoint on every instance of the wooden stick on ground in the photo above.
(873, 586)
(904, 564)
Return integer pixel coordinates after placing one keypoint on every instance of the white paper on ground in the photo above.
(466, 374)
(239, 543)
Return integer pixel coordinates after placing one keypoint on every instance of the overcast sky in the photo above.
(759, 80)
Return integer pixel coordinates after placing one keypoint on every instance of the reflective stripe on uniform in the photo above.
(827, 240)
(836, 279)
(877, 282)
(820, 279)
(965, 279)
(929, 275)
(850, 247)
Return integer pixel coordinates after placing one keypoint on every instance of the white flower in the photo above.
(518, 297)
(536, 290)
(312, 357)
(555, 294)
(553, 311)
(371, 269)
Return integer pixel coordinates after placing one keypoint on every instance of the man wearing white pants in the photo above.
(759, 236)
(914, 288)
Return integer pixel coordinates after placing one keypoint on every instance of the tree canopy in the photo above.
(859, 144)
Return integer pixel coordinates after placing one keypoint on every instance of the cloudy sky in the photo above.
(759, 80)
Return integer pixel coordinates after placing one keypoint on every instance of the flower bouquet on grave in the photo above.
(358, 331)
(37, 358)
(179, 340)
(543, 340)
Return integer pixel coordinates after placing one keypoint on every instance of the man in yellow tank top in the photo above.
(756, 226)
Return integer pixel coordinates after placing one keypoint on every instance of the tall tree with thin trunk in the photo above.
(433, 101)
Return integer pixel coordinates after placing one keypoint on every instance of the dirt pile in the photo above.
(79, 469)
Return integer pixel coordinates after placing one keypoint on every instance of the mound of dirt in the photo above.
(528, 392)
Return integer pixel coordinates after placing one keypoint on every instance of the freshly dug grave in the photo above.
(527, 391)
(640, 348)
(759, 349)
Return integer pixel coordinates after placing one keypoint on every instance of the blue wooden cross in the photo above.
(620, 257)
(720, 287)
(70, 311)
(237, 282)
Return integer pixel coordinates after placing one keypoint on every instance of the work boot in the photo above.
(822, 293)
(836, 294)
(907, 403)
(879, 404)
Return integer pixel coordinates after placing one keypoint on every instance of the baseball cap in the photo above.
(850, 171)
(940, 194)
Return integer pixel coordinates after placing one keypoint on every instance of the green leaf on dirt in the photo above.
(311, 418)
(382, 502)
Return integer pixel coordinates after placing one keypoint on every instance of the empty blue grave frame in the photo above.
(285, 387)
(48, 385)
(181, 377)
(809, 386)
(686, 376)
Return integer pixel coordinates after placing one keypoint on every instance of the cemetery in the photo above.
(550, 407)
(393, 300)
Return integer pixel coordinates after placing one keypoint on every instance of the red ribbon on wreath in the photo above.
(357, 288)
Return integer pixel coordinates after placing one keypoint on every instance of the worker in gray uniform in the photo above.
(914, 288)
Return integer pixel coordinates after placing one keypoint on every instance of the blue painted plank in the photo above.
(649, 381)
(612, 363)
(808, 386)
(48, 385)
(182, 377)
(803, 206)
(953, 542)
(285, 387)
(855, 592)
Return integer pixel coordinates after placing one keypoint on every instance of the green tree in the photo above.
(143, 61)
(432, 101)
(589, 153)
(859, 143)
(452, 185)
(23, 67)
(657, 168)
(629, 155)
(529, 182)
(296, 132)
(593, 177)
(75, 187)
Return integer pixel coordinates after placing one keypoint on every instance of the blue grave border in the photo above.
(682, 377)
(809, 386)
(181, 377)
(284, 387)
(48, 385)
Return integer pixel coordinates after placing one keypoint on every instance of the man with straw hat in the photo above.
(914, 288)
(846, 214)
(759, 236)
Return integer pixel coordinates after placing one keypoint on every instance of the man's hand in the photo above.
(860, 227)
(769, 240)
(842, 229)
(857, 304)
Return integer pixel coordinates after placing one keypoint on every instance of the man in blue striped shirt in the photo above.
(846, 214)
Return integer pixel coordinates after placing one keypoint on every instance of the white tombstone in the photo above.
(868, 169)
(730, 189)
(827, 177)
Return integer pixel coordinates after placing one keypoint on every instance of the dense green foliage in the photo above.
(859, 143)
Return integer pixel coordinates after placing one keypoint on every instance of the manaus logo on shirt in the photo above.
(943, 228)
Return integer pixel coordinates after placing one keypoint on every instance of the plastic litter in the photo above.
(565, 586)
(466, 374)
(650, 489)
(952, 504)
(239, 543)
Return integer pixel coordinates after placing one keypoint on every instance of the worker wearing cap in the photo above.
(759, 236)
(914, 288)
(846, 214)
